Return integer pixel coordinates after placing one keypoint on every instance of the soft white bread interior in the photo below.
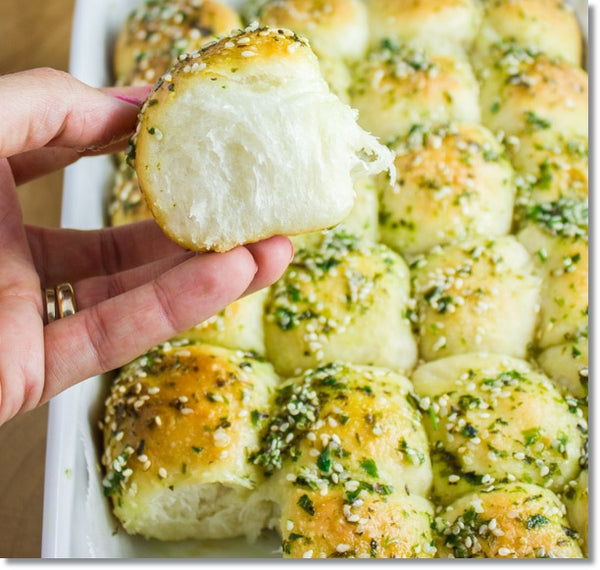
(243, 140)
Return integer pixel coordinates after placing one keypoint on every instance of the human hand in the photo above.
(133, 287)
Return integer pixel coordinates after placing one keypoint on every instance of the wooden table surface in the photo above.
(33, 33)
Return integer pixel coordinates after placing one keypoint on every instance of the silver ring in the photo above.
(65, 300)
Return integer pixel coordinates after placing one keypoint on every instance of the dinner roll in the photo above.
(438, 26)
(157, 32)
(126, 203)
(550, 166)
(567, 365)
(243, 140)
(363, 219)
(336, 29)
(338, 32)
(453, 182)
(517, 520)
(556, 235)
(396, 526)
(238, 326)
(347, 462)
(476, 295)
(179, 424)
(344, 299)
(549, 26)
(493, 419)
(397, 87)
(525, 90)
(363, 421)
(576, 498)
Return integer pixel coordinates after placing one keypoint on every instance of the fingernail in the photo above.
(130, 100)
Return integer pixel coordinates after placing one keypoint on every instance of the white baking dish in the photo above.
(77, 521)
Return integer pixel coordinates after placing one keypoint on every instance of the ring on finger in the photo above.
(65, 300)
(59, 302)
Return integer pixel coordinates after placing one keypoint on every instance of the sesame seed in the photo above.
(221, 438)
(162, 473)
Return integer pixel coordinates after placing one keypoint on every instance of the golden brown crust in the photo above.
(346, 455)
(470, 294)
(335, 28)
(514, 521)
(181, 415)
(157, 33)
(333, 303)
(397, 87)
(550, 165)
(525, 90)
(357, 480)
(549, 26)
(439, 26)
(492, 419)
(453, 182)
(127, 203)
(379, 527)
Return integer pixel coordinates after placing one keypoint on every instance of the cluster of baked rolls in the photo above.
(415, 384)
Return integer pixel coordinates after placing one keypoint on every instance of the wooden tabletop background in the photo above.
(34, 33)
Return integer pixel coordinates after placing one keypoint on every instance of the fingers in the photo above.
(112, 333)
(35, 163)
(72, 255)
(270, 256)
(122, 316)
(44, 107)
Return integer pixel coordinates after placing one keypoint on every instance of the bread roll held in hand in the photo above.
(243, 140)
